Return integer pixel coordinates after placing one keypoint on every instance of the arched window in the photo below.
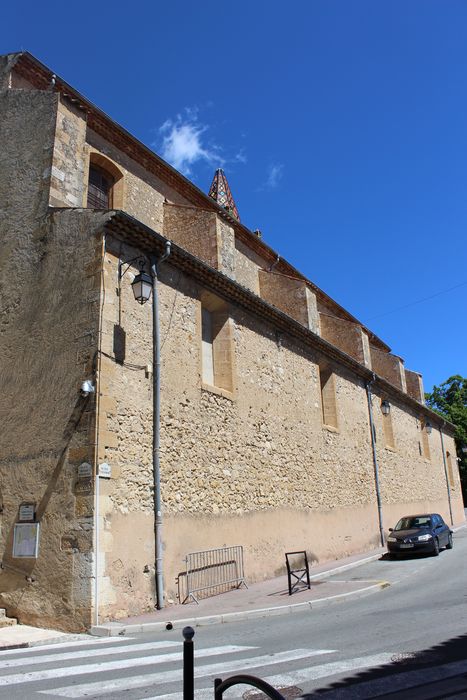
(105, 183)
(99, 188)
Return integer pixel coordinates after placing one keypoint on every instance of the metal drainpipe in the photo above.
(446, 472)
(375, 460)
(156, 432)
(96, 441)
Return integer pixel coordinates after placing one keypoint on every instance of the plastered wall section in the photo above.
(289, 295)
(388, 366)
(194, 229)
(49, 347)
(257, 469)
(414, 383)
(345, 335)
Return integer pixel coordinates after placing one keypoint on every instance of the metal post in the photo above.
(156, 399)
(188, 664)
(375, 463)
(446, 474)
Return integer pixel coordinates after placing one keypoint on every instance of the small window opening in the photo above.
(216, 341)
(388, 432)
(328, 396)
(425, 443)
(450, 469)
(99, 188)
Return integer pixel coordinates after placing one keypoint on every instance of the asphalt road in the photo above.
(408, 635)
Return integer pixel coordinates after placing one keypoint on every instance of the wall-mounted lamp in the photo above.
(142, 284)
(87, 387)
(142, 287)
(428, 427)
(385, 407)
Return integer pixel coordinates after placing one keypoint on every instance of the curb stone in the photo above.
(116, 630)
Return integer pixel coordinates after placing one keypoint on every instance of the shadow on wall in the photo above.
(24, 568)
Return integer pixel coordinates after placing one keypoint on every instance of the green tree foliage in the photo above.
(450, 400)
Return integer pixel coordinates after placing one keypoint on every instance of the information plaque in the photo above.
(26, 540)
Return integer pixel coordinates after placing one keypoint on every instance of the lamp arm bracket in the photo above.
(140, 260)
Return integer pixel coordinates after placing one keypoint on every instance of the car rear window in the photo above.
(408, 523)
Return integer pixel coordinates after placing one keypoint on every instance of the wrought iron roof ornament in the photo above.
(220, 192)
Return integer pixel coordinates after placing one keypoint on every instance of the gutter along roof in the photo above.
(149, 241)
(39, 75)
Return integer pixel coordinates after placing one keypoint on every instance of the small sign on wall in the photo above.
(105, 470)
(27, 512)
(84, 470)
(26, 540)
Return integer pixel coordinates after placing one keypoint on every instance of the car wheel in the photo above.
(450, 543)
(435, 547)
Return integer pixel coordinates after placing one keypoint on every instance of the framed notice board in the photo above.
(26, 540)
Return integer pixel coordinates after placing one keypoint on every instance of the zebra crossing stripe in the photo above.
(63, 645)
(85, 653)
(223, 668)
(295, 678)
(365, 690)
(104, 666)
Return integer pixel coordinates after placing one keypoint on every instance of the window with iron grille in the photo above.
(99, 189)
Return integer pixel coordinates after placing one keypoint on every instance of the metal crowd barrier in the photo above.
(214, 571)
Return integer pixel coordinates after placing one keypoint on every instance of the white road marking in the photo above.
(224, 668)
(85, 653)
(405, 680)
(360, 691)
(90, 641)
(285, 680)
(105, 666)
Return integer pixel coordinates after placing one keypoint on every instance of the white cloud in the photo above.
(274, 176)
(240, 157)
(184, 142)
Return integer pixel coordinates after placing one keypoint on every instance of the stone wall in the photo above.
(145, 193)
(345, 335)
(231, 468)
(388, 366)
(48, 346)
(195, 230)
(70, 161)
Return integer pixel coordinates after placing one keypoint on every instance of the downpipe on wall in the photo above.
(375, 459)
(446, 472)
(96, 441)
(156, 397)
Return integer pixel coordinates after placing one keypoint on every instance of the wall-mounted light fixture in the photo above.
(428, 427)
(87, 387)
(142, 287)
(142, 283)
(385, 407)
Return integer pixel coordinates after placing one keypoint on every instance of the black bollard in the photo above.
(188, 664)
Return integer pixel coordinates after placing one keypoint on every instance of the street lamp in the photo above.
(142, 287)
(385, 407)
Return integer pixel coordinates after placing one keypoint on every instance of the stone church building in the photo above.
(239, 406)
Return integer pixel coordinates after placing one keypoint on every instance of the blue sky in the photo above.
(341, 126)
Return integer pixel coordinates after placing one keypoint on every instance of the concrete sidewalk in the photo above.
(261, 599)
